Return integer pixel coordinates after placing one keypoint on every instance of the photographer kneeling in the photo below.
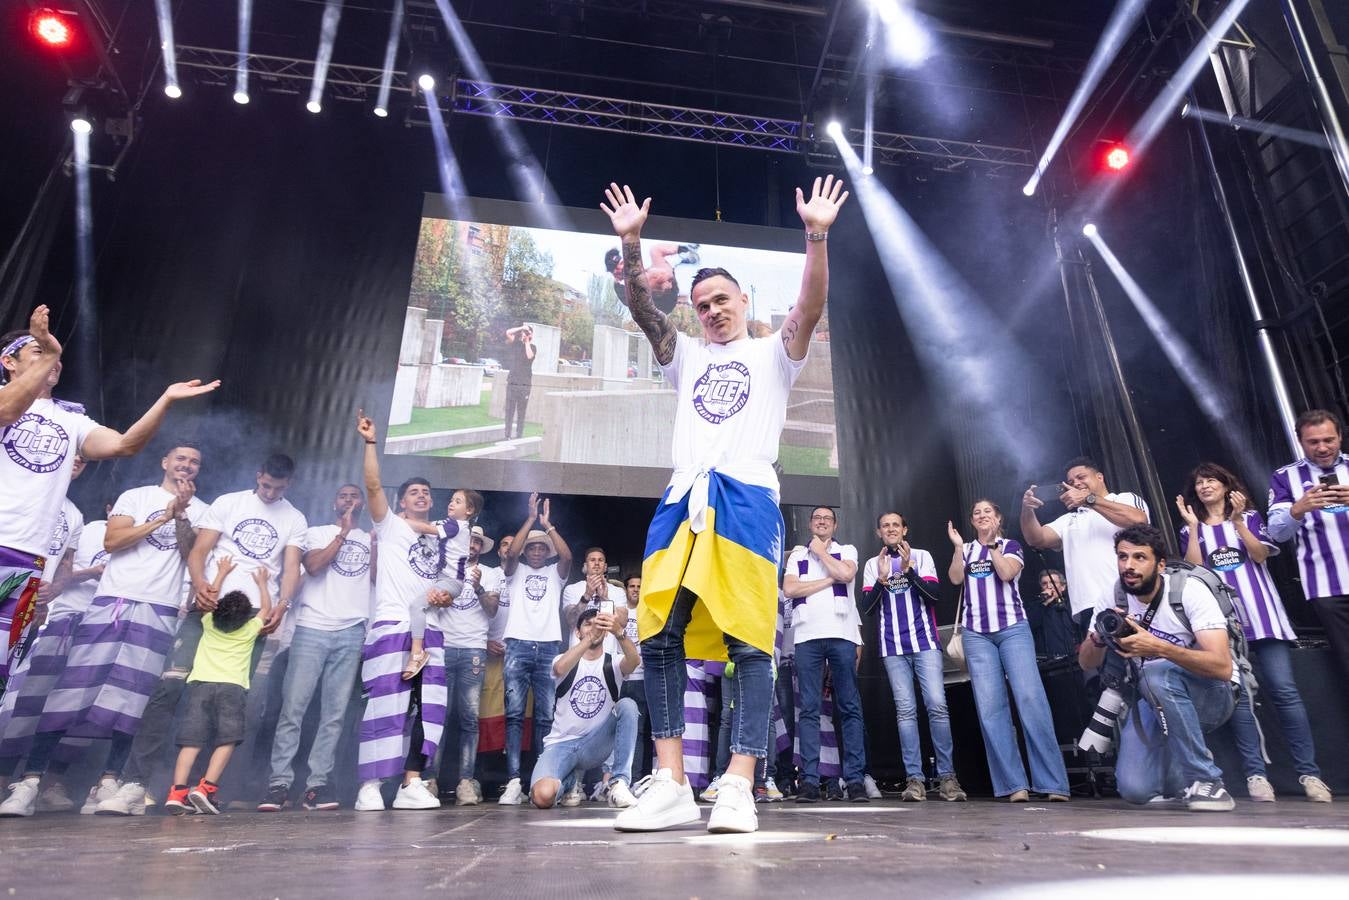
(1179, 679)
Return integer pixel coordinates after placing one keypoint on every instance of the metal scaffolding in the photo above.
(609, 114)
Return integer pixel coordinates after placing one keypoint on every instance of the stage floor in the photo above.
(886, 848)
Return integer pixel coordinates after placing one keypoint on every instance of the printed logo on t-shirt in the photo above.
(59, 536)
(99, 559)
(37, 443)
(587, 697)
(1225, 559)
(721, 391)
(467, 599)
(980, 568)
(352, 559)
(256, 537)
(424, 557)
(897, 584)
(536, 587)
(1166, 636)
(165, 537)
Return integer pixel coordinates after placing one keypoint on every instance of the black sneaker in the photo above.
(278, 795)
(321, 797)
(1208, 796)
(857, 793)
(833, 790)
(808, 792)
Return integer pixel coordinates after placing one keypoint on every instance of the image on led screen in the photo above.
(592, 393)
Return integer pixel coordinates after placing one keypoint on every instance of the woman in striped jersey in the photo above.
(1223, 532)
(998, 645)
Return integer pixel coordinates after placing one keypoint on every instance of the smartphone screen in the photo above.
(1330, 480)
(607, 607)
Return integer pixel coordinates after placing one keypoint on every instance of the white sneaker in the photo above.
(22, 800)
(734, 811)
(54, 799)
(1259, 789)
(664, 804)
(873, 791)
(368, 798)
(513, 795)
(620, 797)
(128, 801)
(415, 795)
(464, 795)
(709, 794)
(573, 797)
(771, 791)
(106, 789)
(1315, 788)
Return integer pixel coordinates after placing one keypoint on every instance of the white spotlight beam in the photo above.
(332, 16)
(1214, 401)
(165, 16)
(907, 40)
(84, 228)
(1117, 30)
(241, 65)
(1241, 123)
(390, 54)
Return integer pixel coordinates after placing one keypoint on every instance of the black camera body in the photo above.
(1112, 625)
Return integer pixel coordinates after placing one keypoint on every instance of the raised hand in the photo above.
(39, 326)
(224, 565)
(1239, 505)
(346, 522)
(183, 492)
(545, 515)
(185, 390)
(365, 426)
(956, 540)
(1029, 500)
(626, 215)
(1186, 512)
(261, 576)
(826, 198)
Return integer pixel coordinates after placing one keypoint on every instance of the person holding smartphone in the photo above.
(1309, 501)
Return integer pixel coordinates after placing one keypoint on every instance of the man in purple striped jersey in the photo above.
(910, 647)
(1309, 500)
(826, 628)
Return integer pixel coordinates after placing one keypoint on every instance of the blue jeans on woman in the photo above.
(663, 660)
(927, 665)
(995, 660)
(528, 665)
(1156, 760)
(1274, 672)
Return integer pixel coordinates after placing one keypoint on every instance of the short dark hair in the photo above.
(278, 465)
(183, 442)
(611, 259)
(1142, 536)
(232, 611)
(631, 575)
(815, 509)
(1310, 417)
(891, 512)
(599, 550)
(1084, 461)
(703, 274)
(585, 616)
(471, 497)
(403, 488)
(1054, 573)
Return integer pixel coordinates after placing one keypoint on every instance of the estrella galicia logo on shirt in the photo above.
(980, 568)
(897, 584)
(536, 586)
(721, 391)
(424, 557)
(165, 537)
(587, 697)
(352, 559)
(37, 443)
(1225, 559)
(256, 537)
(59, 536)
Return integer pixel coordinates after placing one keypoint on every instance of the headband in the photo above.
(17, 344)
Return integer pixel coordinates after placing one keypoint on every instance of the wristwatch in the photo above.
(1091, 500)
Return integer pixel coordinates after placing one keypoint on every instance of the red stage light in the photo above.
(1117, 158)
(51, 28)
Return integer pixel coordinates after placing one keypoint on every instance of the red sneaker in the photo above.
(178, 803)
(203, 798)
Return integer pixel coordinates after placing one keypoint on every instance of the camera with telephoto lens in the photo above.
(1099, 735)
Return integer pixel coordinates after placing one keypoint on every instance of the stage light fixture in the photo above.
(1185, 110)
(51, 28)
(381, 112)
(172, 91)
(240, 97)
(314, 106)
(1117, 158)
(1029, 189)
(426, 81)
(868, 170)
(1089, 230)
(81, 125)
(834, 129)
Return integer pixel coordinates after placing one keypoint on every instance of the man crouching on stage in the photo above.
(709, 574)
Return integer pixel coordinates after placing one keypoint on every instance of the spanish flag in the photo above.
(726, 549)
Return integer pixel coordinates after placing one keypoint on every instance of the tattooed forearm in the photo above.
(654, 323)
(789, 330)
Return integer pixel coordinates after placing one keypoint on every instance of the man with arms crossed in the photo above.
(709, 575)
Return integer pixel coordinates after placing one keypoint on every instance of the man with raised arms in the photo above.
(709, 575)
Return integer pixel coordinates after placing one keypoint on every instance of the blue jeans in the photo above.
(329, 662)
(927, 665)
(1274, 671)
(995, 660)
(663, 659)
(465, 669)
(842, 658)
(1155, 760)
(616, 735)
(529, 664)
